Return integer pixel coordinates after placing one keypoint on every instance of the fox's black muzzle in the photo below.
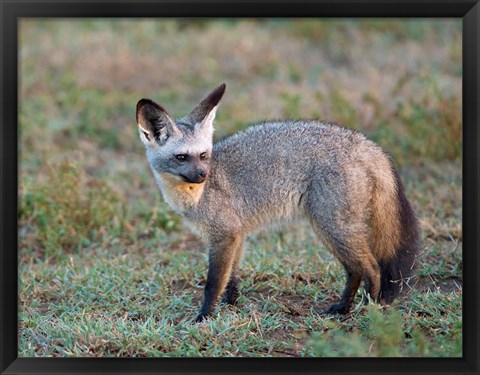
(195, 178)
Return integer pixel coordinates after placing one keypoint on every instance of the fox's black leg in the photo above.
(211, 293)
(351, 287)
(372, 282)
(367, 288)
(231, 293)
(221, 259)
(368, 292)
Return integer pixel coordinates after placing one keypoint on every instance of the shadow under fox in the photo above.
(341, 182)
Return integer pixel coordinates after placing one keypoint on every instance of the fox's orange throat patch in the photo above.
(179, 193)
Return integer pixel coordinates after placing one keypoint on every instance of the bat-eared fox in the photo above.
(343, 184)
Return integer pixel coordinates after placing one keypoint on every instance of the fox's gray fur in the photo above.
(341, 182)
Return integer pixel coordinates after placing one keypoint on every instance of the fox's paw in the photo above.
(231, 297)
(200, 318)
(339, 308)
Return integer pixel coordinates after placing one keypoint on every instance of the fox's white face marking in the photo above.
(203, 144)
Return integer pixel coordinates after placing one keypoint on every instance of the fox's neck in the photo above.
(180, 195)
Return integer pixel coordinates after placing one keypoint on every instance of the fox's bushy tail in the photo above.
(396, 269)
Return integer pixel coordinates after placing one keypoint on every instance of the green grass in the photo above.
(107, 269)
(140, 301)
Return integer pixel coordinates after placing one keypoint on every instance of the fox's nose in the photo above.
(201, 173)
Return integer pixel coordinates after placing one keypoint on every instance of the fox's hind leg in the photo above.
(348, 242)
(348, 256)
(363, 260)
(361, 264)
(372, 278)
(351, 287)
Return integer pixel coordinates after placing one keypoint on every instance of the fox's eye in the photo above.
(203, 156)
(181, 157)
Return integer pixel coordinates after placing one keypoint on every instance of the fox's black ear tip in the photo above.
(221, 88)
(219, 91)
(142, 102)
(150, 104)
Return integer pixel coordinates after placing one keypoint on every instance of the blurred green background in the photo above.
(92, 220)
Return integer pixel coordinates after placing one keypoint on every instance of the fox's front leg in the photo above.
(222, 255)
(232, 293)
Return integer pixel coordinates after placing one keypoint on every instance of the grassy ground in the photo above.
(107, 269)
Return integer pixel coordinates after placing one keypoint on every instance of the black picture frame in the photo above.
(11, 11)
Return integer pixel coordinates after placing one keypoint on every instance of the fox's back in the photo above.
(279, 152)
(269, 168)
(288, 143)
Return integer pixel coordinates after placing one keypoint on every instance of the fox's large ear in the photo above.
(204, 113)
(154, 123)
